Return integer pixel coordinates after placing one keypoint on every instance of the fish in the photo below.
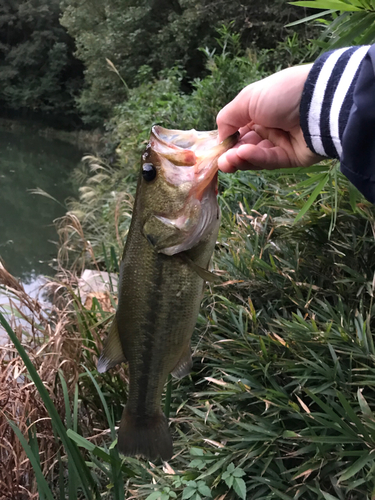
(163, 271)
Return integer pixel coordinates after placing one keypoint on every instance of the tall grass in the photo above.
(47, 400)
(280, 403)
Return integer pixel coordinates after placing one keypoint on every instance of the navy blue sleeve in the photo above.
(338, 113)
(358, 140)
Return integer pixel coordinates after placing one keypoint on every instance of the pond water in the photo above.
(27, 234)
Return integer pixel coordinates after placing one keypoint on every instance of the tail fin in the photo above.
(148, 437)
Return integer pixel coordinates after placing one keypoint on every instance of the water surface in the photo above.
(27, 234)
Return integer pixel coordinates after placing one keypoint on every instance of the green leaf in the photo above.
(196, 452)
(197, 463)
(75, 409)
(238, 472)
(357, 466)
(352, 415)
(312, 198)
(328, 4)
(328, 496)
(313, 169)
(68, 415)
(368, 37)
(230, 468)
(99, 452)
(229, 481)
(310, 18)
(33, 441)
(280, 494)
(104, 403)
(366, 410)
(239, 487)
(42, 483)
(156, 495)
(204, 489)
(188, 492)
(114, 260)
(213, 468)
(357, 29)
(81, 441)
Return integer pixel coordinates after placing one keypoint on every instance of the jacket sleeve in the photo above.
(338, 113)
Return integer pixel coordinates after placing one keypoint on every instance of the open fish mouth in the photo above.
(189, 162)
(200, 144)
(192, 148)
(193, 140)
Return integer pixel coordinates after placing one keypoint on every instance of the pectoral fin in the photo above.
(203, 273)
(112, 353)
(184, 364)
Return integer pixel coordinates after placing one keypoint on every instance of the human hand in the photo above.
(266, 113)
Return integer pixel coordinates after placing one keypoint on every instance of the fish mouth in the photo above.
(191, 140)
(192, 148)
(207, 165)
(188, 159)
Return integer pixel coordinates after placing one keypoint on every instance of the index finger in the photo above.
(235, 114)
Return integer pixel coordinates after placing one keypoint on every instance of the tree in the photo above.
(38, 71)
(159, 33)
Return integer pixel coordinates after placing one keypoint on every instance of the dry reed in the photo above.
(46, 334)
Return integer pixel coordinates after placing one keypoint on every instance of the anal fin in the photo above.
(184, 365)
(112, 353)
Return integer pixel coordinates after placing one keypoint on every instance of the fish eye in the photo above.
(148, 172)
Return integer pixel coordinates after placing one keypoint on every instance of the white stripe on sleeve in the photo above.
(340, 94)
(317, 100)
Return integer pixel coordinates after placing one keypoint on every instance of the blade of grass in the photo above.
(118, 484)
(114, 260)
(97, 451)
(312, 198)
(33, 443)
(73, 482)
(75, 409)
(357, 466)
(44, 489)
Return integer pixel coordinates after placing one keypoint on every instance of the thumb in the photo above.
(235, 114)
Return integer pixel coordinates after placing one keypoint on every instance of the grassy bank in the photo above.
(280, 401)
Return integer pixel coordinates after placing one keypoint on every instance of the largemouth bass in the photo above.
(171, 239)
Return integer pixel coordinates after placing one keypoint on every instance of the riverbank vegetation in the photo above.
(281, 401)
(53, 54)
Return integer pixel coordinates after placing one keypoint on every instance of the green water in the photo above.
(27, 234)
